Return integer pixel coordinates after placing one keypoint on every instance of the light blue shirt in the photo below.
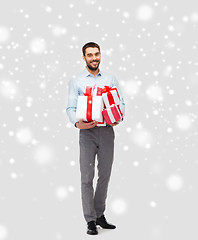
(77, 87)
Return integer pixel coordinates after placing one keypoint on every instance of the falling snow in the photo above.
(174, 182)
(151, 47)
(119, 206)
(4, 34)
(38, 45)
(144, 13)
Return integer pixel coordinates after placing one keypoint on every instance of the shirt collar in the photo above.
(87, 73)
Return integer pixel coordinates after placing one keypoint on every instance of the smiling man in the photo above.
(92, 59)
(93, 140)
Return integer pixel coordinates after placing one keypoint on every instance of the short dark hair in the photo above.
(90, 44)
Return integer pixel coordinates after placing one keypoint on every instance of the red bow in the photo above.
(108, 89)
(90, 89)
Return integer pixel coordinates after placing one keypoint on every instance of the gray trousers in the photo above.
(95, 141)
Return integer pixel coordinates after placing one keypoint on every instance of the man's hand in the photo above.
(86, 125)
(115, 123)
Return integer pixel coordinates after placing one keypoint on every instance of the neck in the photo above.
(93, 72)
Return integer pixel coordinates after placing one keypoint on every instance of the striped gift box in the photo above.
(112, 114)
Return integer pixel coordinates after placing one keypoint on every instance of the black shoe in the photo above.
(103, 223)
(91, 228)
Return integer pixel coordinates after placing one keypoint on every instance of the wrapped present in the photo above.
(103, 123)
(93, 90)
(110, 96)
(90, 106)
(112, 114)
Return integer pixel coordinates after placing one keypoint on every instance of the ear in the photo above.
(83, 57)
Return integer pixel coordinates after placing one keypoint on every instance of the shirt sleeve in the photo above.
(122, 107)
(72, 101)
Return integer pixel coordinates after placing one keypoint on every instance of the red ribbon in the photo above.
(108, 89)
(110, 98)
(89, 108)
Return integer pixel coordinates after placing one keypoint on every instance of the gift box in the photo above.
(90, 105)
(112, 114)
(110, 96)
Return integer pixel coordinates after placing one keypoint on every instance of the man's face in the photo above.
(92, 58)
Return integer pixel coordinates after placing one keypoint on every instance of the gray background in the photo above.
(151, 46)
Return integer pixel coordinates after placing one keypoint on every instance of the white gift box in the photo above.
(111, 98)
(90, 108)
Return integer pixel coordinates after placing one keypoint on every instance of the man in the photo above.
(94, 140)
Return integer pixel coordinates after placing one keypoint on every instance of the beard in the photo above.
(93, 68)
